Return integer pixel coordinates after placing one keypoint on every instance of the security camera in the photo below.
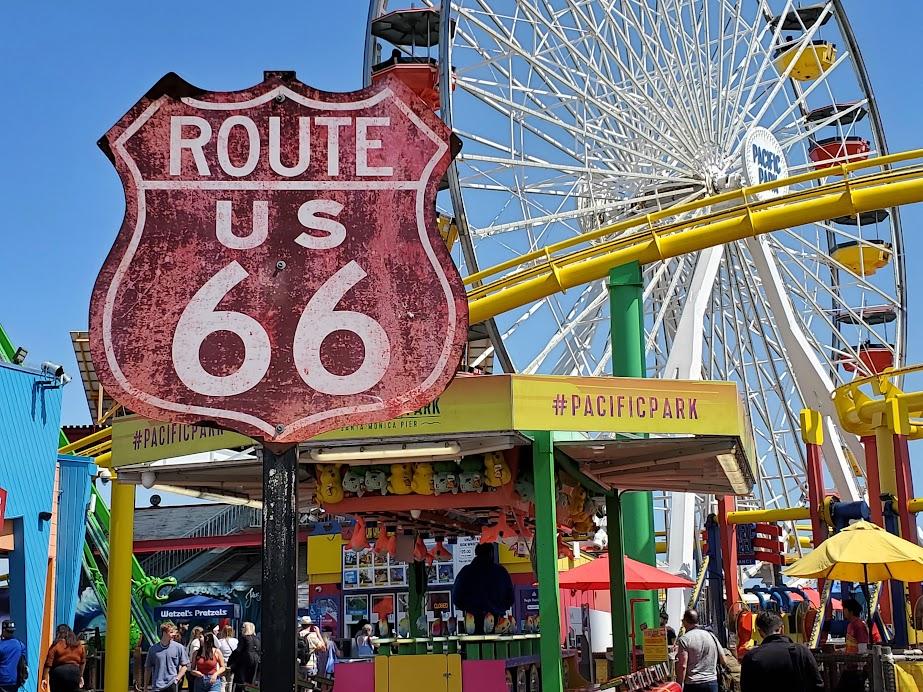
(105, 475)
(148, 479)
(52, 369)
(65, 378)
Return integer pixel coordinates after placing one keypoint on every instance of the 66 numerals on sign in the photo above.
(201, 318)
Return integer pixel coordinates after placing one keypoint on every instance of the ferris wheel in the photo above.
(575, 115)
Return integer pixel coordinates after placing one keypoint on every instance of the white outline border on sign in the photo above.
(419, 186)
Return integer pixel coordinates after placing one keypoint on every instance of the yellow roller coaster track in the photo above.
(666, 234)
(671, 232)
(867, 403)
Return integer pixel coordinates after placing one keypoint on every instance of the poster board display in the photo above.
(368, 570)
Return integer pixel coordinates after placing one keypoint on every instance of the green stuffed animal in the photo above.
(445, 478)
(354, 482)
(471, 478)
(376, 480)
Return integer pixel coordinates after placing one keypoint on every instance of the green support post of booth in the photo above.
(546, 538)
(626, 314)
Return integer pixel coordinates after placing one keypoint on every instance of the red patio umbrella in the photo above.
(594, 576)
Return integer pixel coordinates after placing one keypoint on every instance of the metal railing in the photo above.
(231, 519)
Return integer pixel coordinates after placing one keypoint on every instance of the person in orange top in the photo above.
(65, 662)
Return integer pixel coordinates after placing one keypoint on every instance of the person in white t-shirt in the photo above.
(195, 643)
(227, 643)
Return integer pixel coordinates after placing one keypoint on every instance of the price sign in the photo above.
(279, 270)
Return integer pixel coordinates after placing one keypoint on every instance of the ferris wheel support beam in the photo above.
(685, 363)
(813, 381)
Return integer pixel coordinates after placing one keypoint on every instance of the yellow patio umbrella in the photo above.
(863, 553)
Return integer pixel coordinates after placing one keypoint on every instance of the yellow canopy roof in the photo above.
(862, 552)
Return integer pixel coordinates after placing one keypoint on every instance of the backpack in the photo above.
(725, 679)
(22, 671)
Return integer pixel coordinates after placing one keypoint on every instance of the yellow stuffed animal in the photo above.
(399, 482)
(422, 483)
(329, 484)
(496, 470)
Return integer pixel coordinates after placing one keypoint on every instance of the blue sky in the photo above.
(67, 73)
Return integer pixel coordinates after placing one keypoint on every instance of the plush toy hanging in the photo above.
(440, 552)
(445, 478)
(471, 478)
(419, 549)
(496, 470)
(354, 482)
(329, 484)
(359, 541)
(386, 542)
(400, 479)
(422, 483)
(376, 480)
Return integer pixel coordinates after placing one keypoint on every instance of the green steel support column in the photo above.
(546, 538)
(621, 649)
(627, 329)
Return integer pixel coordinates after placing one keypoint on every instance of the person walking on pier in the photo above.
(13, 669)
(778, 663)
(166, 662)
(699, 656)
(209, 666)
(65, 662)
(245, 660)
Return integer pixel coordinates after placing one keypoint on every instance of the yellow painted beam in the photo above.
(915, 505)
(103, 434)
(884, 442)
(659, 236)
(118, 615)
(812, 427)
(750, 516)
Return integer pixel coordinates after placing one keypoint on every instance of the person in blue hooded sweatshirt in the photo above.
(12, 658)
(483, 587)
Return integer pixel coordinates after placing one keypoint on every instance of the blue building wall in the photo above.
(30, 416)
(74, 481)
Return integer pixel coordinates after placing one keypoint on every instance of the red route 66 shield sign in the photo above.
(279, 270)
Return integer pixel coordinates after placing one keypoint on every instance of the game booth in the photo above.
(503, 459)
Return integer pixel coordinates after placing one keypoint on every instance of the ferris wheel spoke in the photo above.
(799, 104)
(734, 94)
(509, 108)
(858, 281)
(656, 103)
(774, 391)
(804, 41)
(666, 72)
(573, 320)
(816, 384)
(550, 75)
(821, 311)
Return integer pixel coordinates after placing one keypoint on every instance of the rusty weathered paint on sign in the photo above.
(279, 270)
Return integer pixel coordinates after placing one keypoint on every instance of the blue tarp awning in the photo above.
(196, 608)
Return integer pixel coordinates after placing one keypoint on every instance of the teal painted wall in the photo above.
(74, 479)
(30, 417)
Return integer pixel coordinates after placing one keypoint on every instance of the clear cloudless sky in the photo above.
(68, 71)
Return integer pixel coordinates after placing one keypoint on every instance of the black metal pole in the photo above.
(278, 595)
